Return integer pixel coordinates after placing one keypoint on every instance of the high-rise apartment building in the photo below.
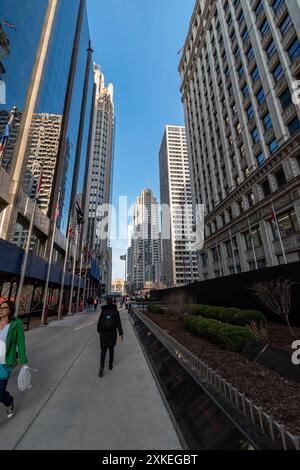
(145, 254)
(179, 259)
(100, 178)
(239, 67)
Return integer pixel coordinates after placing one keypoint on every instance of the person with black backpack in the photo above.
(108, 324)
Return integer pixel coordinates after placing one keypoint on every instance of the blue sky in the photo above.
(136, 44)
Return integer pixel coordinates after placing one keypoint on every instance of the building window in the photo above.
(255, 135)
(277, 4)
(294, 50)
(265, 185)
(288, 224)
(250, 112)
(294, 126)
(261, 98)
(273, 146)
(271, 49)
(286, 24)
(267, 121)
(285, 98)
(280, 177)
(278, 72)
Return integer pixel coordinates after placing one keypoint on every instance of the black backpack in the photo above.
(108, 320)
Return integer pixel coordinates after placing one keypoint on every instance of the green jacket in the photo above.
(15, 341)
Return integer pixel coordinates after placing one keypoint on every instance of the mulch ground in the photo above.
(275, 394)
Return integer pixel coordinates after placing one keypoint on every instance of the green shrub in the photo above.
(155, 309)
(232, 338)
(233, 316)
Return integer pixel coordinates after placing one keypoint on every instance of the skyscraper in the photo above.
(145, 254)
(238, 70)
(179, 259)
(100, 179)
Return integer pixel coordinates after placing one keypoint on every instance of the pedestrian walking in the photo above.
(90, 302)
(95, 304)
(12, 339)
(109, 324)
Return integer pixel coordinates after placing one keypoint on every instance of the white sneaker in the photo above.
(10, 411)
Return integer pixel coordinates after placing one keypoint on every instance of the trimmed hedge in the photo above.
(233, 316)
(232, 338)
(155, 309)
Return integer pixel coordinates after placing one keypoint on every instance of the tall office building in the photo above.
(145, 254)
(179, 259)
(48, 103)
(238, 69)
(100, 181)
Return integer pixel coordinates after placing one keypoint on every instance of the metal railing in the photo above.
(268, 426)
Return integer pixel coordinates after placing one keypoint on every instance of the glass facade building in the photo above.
(44, 48)
(18, 58)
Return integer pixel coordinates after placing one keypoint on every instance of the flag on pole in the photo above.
(4, 140)
(9, 25)
(70, 230)
(273, 216)
(123, 258)
(39, 186)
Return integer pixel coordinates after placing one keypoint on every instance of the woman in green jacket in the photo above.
(12, 340)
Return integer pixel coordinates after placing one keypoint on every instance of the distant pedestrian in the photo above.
(12, 339)
(90, 302)
(109, 324)
(95, 304)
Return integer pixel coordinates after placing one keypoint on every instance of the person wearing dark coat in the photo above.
(108, 337)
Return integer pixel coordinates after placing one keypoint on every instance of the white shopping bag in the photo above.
(24, 378)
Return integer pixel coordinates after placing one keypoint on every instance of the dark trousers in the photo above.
(5, 397)
(103, 356)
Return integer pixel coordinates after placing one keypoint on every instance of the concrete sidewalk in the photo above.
(70, 407)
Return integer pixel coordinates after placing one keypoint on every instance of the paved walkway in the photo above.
(70, 407)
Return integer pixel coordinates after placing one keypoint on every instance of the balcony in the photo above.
(289, 36)
(281, 14)
(269, 135)
(273, 60)
(289, 114)
(290, 244)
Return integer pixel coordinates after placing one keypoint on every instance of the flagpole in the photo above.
(252, 244)
(45, 302)
(233, 254)
(73, 272)
(63, 278)
(25, 261)
(80, 271)
(279, 234)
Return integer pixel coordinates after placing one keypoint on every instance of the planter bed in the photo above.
(278, 396)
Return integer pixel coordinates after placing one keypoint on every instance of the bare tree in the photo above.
(276, 295)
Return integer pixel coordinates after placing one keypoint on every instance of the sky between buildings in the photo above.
(136, 42)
